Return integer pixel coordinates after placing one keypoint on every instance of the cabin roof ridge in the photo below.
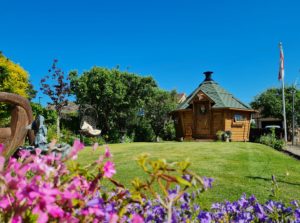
(220, 96)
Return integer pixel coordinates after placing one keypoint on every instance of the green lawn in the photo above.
(236, 167)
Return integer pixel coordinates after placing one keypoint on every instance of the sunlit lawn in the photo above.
(236, 167)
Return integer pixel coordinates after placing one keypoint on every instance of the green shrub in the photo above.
(143, 132)
(271, 140)
(169, 132)
(67, 136)
(89, 141)
(219, 135)
(51, 132)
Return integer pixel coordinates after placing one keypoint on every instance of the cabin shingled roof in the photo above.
(221, 97)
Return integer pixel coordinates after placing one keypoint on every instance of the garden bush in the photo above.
(219, 135)
(89, 141)
(271, 140)
(46, 188)
(169, 132)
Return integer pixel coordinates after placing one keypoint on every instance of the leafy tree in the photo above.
(269, 103)
(157, 112)
(49, 114)
(57, 87)
(13, 79)
(117, 96)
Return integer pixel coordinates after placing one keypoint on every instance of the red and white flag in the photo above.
(281, 63)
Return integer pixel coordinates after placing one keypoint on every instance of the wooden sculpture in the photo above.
(21, 116)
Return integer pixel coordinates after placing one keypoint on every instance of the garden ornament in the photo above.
(21, 116)
(89, 119)
(86, 127)
(40, 131)
(40, 140)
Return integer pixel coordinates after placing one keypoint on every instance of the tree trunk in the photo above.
(58, 127)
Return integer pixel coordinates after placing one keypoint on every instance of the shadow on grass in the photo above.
(269, 179)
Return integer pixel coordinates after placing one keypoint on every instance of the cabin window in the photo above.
(239, 117)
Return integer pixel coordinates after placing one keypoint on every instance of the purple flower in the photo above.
(297, 214)
(295, 203)
(187, 177)
(259, 211)
(204, 217)
(207, 182)
(94, 202)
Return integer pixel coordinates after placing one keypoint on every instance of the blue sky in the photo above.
(174, 41)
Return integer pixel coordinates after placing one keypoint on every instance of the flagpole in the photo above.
(281, 77)
(284, 114)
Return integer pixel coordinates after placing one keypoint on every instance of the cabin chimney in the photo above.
(208, 75)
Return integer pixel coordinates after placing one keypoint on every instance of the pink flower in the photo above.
(113, 218)
(77, 146)
(24, 154)
(16, 219)
(95, 146)
(109, 169)
(100, 159)
(107, 153)
(1, 148)
(38, 151)
(2, 161)
(137, 219)
(6, 201)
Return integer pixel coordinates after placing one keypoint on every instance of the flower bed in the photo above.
(42, 188)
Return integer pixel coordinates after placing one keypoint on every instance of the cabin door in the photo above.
(202, 116)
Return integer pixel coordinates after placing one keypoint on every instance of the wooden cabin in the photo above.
(209, 109)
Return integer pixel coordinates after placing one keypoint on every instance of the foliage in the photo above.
(49, 115)
(70, 120)
(271, 140)
(227, 135)
(38, 188)
(51, 132)
(92, 140)
(143, 131)
(223, 135)
(250, 210)
(158, 108)
(116, 95)
(67, 136)
(169, 132)
(57, 87)
(219, 135)
(13, 79)
(269, 103)
(122, 99)
(251, 164)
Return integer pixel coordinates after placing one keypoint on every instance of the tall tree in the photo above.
(117, 96)
(13, 79)
(57, 87)
(269, 103)
(158, 109)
